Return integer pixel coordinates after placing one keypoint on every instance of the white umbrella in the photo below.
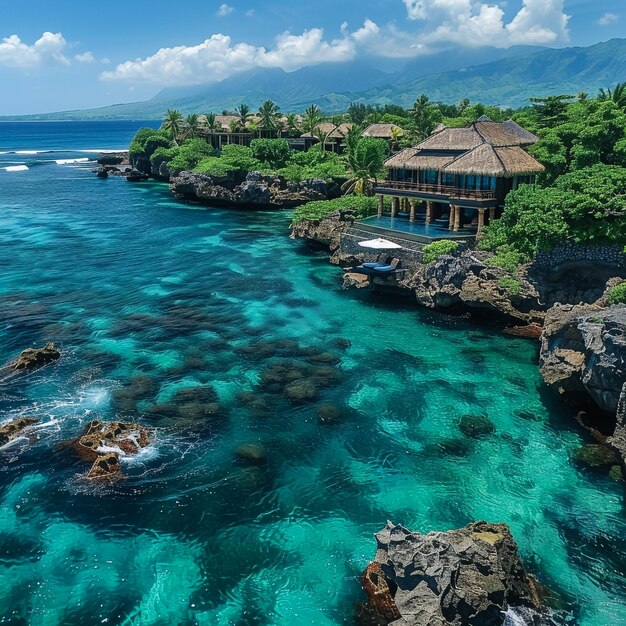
(379, 244)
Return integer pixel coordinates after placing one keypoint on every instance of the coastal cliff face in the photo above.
(256, 191)
(325, 232)
(583, 357)
(466, 577)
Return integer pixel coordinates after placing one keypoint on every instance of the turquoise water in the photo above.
(129, 282)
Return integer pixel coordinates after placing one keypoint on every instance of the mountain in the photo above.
(504, 77)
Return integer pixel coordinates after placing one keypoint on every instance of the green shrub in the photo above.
(363, 206)
(512, 286)
(147, 140)
(214, 167)
(617, 294)
(507, 259)
(273, 152)
(160, 156)
(190, 154)
(240, 157)
(326, 171)
(433, 251)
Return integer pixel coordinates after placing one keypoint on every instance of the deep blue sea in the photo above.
(130, 283)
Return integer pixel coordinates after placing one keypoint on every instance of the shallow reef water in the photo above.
(216, 330)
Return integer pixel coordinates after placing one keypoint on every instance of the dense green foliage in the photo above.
(364, 157)
(585, 206)
(362, 206)
(433, 251)
(215, 167)
(506, 258)
(512, 286)
(617, 294)
(189, 154)
(146, 141)
(273, 153)
(240, 157)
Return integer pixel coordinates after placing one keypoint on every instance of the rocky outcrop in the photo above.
(465, 280)
(105, 443)
(34, 358)
(327, 231)
(583, 356)
(465, 577)
(113, 158)
(256, 191)
(14, 428)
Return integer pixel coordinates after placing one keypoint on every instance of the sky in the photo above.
(66, 55)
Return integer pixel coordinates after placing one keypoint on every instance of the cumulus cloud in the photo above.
(85, 57)
(218, 57)
(224, 10)
(607, 18)
(472, 22)
(49, 47)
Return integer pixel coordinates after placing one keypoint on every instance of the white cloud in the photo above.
(85, 57)
(224, 10)
(105, 60)
(250, 13)
(607, 18)
(49, 47)
(471, 22)
(218, 57)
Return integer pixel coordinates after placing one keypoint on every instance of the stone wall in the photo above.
(574, 253)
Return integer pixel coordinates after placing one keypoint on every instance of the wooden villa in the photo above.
(388, 132)
(332, 136)
(458, 177)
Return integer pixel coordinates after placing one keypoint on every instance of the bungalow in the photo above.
(456, 176)
(332, 136)
(389, 132)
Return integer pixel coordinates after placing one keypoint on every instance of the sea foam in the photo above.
(16, 168)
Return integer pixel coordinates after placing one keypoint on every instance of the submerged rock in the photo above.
(329, 413)
(253, 453)
(34, 358)
(14, 428)
(595, 455)
(465, 577)
(300, 391)
(476, 425)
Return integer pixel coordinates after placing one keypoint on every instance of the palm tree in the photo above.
(173, 123)
(616, 95)
(192, 126)
(312, 117)
(357, 112)
(292, 122)
(243, 112)
(396, 134)
(463, 105)
(211, 123)
(365, 157)
(269, 117)
(426, 116)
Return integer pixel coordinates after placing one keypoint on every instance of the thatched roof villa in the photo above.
(453, 178)
(388, 132)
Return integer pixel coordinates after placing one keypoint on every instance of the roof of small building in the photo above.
(382, 131)
(332, 131)
(485, 148)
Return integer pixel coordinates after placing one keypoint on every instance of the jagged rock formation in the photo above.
(14, 428)
(256, 191)
(465, 577)
(34, 358)
(583, 355)
(326, 232)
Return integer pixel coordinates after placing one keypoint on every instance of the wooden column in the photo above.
(452, 216)
(412, 211)
(492, 213)
(481, 219)
(429, 211)
(457, 218)
(381, 204)
(394, 206)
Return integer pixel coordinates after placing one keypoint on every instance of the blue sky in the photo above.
(65, 54)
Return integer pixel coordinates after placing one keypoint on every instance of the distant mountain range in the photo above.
(501, 77)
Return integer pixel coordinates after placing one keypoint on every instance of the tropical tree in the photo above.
(192, 126)
(358, 112)
(243, 113)
(551, 110)
(173, 123)
(269, 116)
(464, 104)
(396, 134)
(426, 116)
(211, 123)
(364, 156)
(292, 122)
(312, 117)
(616, 95)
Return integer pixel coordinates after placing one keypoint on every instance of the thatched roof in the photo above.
(330, 130)
(457, 139)
(502, 162)
(400, 159)
(382, 131)
(504, 133)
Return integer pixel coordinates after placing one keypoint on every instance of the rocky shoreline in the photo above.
(583, 340)
(246, 190)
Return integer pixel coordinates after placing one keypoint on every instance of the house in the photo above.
(459, 177)
(389, 132)
(332, 136)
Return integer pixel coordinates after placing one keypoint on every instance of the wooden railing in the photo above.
(445, 190)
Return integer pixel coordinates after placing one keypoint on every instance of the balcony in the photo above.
(436, 192)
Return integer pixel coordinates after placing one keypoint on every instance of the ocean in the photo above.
(145, 297)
